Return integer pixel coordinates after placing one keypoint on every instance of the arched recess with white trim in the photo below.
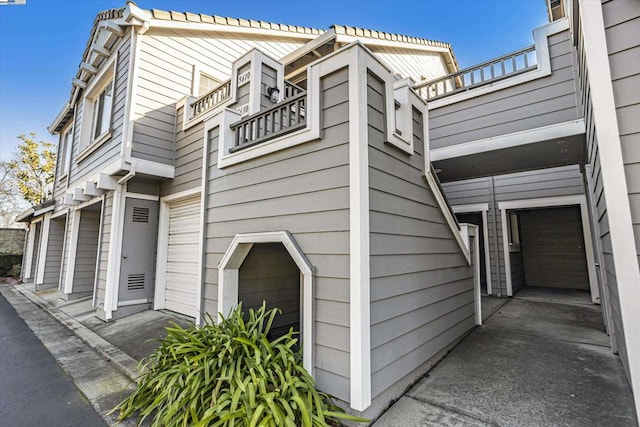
(229, 274)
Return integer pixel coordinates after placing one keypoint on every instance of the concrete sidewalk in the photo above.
(101, 358)
(532, 363)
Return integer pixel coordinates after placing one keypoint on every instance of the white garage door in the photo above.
(182, 256)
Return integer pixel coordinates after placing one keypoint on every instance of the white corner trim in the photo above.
(228, 274)
(540, 35)
(42, 251)
(132, 96)
(483, 208)
(509, 140)
(65, 244)
(578, 200)
(615, 186)
(115, 250)
(94, 295)
(359, 260)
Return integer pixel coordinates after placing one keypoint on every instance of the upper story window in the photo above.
(102, 111)
(66, 144)
(97, 109)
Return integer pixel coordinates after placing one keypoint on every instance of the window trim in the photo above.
(66, 148)
(87, 142)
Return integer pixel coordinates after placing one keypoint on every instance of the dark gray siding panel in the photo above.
(53, 261)
(534, 104)
(304, 190)
(86, 253)
(421, 284)
(188, 159)
(110, 150)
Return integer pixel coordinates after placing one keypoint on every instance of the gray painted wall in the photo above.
(188, 159)
(421, 284)
(269, 274)
(86, 253)
(53, 261)
(110, 150)
(105, 239)
(552, 182)
(541, 102)
(304, 190)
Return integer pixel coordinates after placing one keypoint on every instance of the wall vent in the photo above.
(140, 214)
(135, 282)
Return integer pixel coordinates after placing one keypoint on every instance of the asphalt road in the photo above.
(34, 390)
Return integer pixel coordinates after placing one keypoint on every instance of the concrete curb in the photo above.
(125, 363)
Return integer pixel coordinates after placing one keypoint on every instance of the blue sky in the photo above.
(41, 43)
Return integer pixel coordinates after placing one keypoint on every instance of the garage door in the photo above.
(182, 256)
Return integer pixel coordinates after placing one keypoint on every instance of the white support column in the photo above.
(42, 251)
(31, 241)
(115, 249)
(73, 246)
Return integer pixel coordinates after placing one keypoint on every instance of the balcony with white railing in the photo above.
(282, 118)
(211, 99)
(488, 72)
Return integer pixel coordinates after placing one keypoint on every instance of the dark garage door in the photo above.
(553, 248)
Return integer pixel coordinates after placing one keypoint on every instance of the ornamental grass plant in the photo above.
(229, 374)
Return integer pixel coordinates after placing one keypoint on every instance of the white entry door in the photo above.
(182, 257)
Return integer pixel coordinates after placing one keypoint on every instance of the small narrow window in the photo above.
(65, 150)
(102, 111)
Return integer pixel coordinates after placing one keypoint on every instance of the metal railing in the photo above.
(488, 72)
(214, 97)
(284, 117)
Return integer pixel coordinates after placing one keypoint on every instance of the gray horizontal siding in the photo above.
(188, 159)
(534, 104)
(304, 190)
(421, 284)
(103, 256)
(165, 72)
(67, 243)
(110, 150)
(53, 261)
(552, 182)
(86, 253)
(622, 26)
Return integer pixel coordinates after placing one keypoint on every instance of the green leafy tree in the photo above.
(33, 166)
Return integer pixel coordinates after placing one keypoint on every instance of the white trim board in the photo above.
(228, 275)
(31, 241)
(42, 251)
(483, 208)
(509, 140)
(469, 232)
(73, 247)
(614, 184)
(580, 201)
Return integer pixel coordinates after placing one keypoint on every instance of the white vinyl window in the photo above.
(97, 109)
(66, 143)
(102, 111)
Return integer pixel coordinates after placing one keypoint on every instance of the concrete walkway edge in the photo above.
(101, 371)
(127, 364)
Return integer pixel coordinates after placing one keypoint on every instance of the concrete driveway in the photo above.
(533, 363)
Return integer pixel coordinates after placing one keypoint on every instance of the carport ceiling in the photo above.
(539, 155)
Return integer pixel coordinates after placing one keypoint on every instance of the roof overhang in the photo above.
(36, 211)
(61, 119)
